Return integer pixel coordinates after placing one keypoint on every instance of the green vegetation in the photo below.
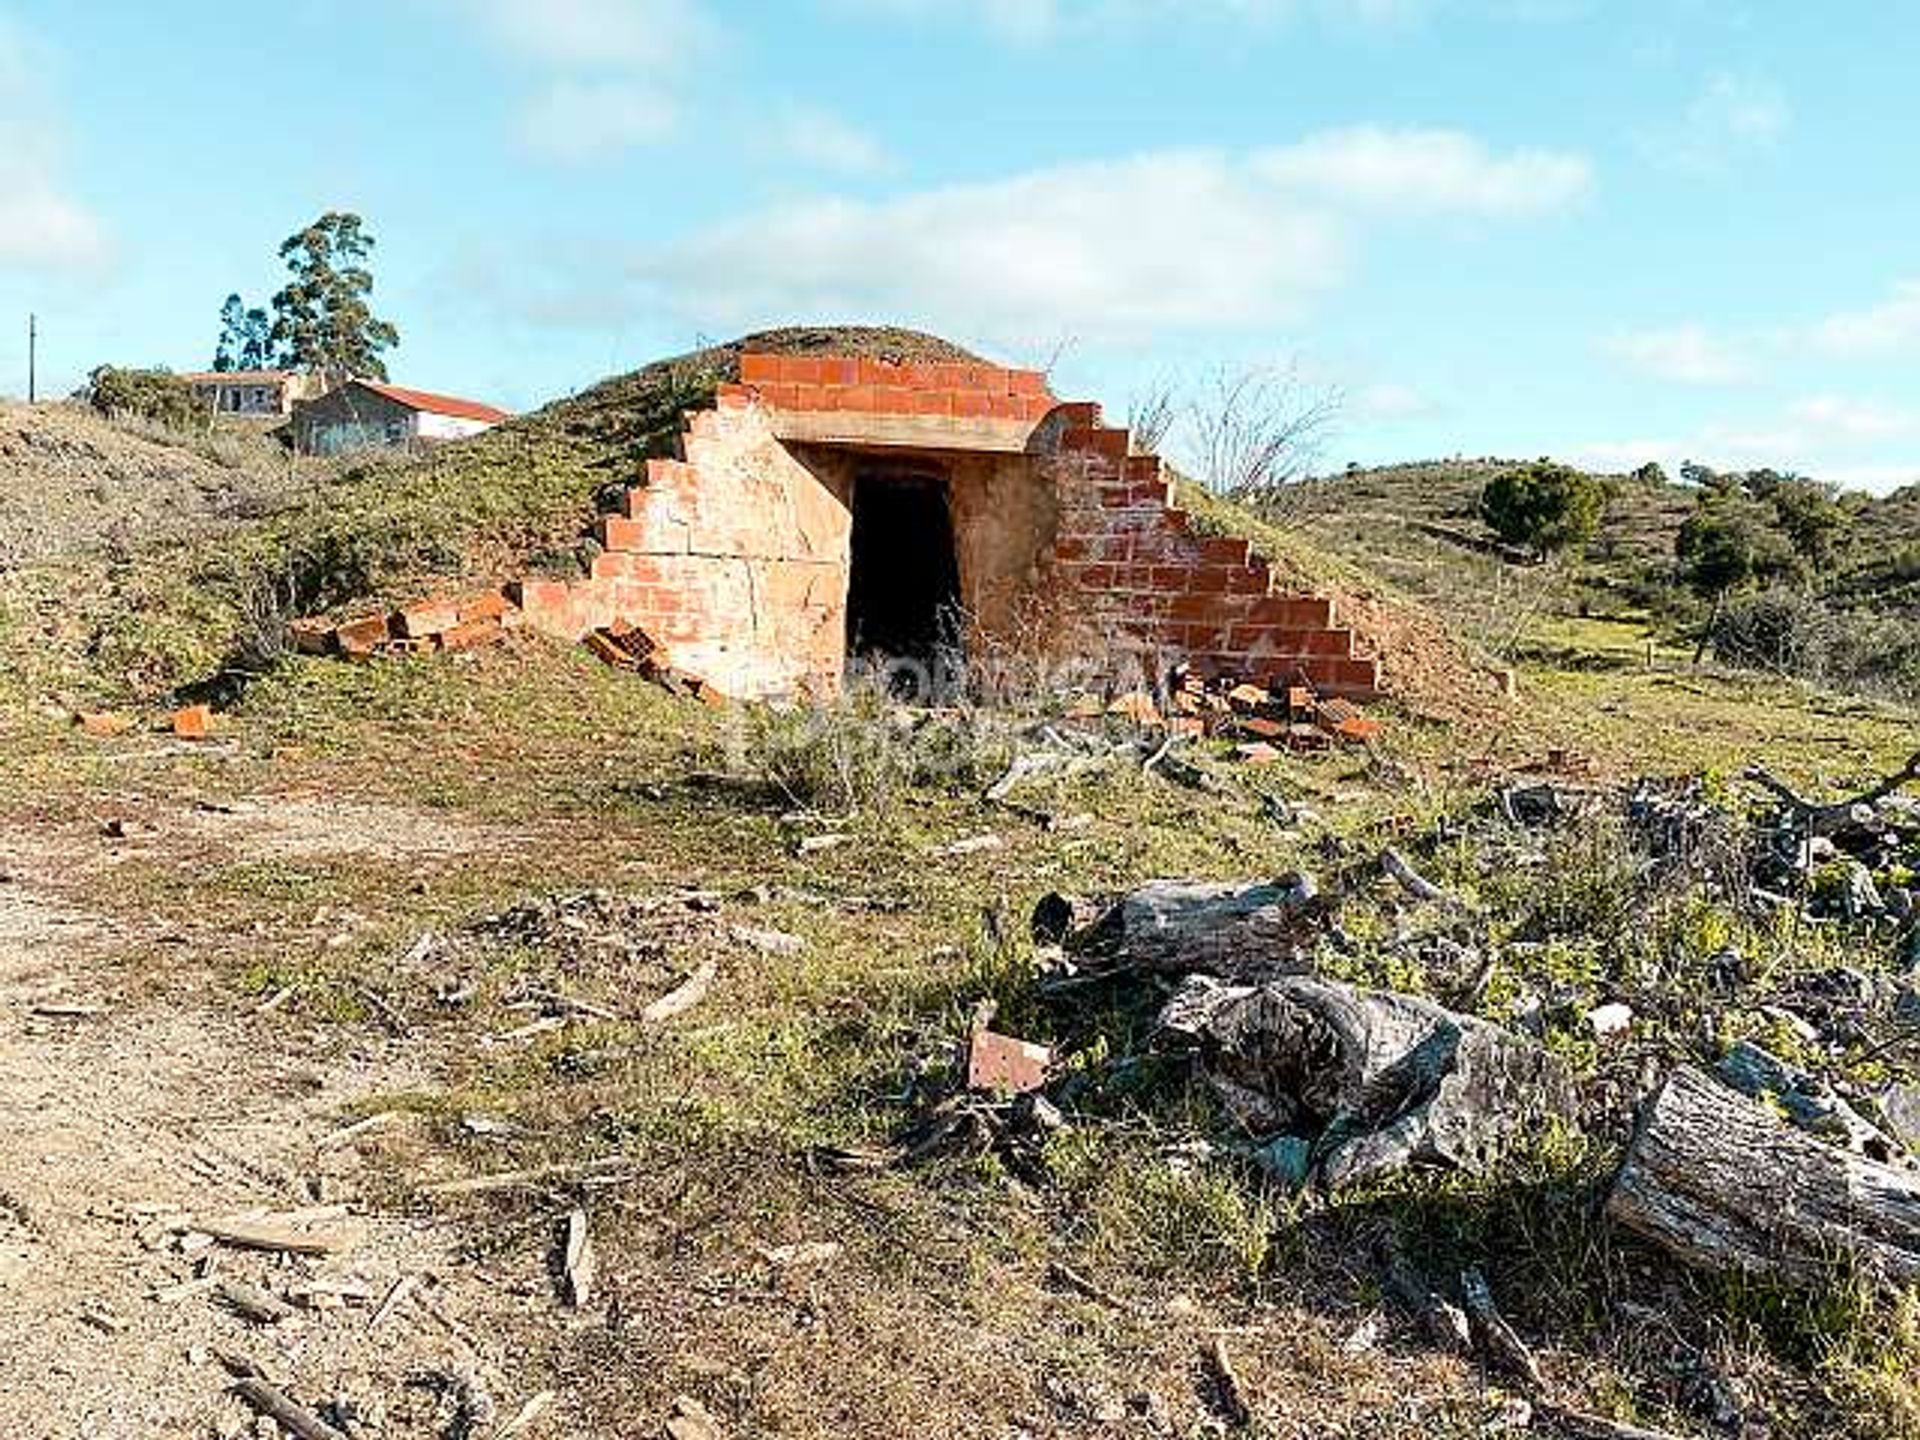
(159, 396)
(1544, 507)
(246, 337)
(1680, 567)
(484, 782)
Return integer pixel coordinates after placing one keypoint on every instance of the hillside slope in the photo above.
(73, 481)
(1418, 525)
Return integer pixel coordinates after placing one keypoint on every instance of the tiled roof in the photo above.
(431, 404)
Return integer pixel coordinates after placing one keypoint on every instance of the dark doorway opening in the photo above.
(903, 597)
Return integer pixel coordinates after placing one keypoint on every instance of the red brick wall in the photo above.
(734, 557)
(1131, 571)
(873, 387)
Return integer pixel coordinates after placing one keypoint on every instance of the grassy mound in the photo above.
(139, 623)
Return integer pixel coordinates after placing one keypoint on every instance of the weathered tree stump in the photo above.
(1721, 1182)
(1181, 927)
(1374, 1080)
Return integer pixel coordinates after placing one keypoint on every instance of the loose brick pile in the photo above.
(1261, 721)
(460, 622)
(732, 559)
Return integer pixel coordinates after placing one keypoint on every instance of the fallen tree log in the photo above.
(1372, 1080)
(1810, 1102)
(1179, 927)
(1723, 1183)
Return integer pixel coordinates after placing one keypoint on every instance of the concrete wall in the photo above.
(447, 427)
(350, 418)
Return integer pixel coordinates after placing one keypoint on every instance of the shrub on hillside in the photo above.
(1731, 542)
(1792, 633)
(156, 395)
(1544, 507)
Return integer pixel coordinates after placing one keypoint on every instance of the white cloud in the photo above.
(1685, 355)
(606, 73)
(1731, 116)
(824, 141)
(598, 34)
(1389, 400)
(1888, 328)
(1033, 22)
(1432, 170)
(1166, 241)
(1831, 437)
(582, 120)
(1841, 417)
(42, 227)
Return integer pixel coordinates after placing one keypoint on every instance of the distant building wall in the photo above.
(351, 418)
(428, 426)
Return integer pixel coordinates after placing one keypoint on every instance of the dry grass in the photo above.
(552, 774)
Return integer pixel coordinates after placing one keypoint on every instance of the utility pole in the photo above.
(33, 356)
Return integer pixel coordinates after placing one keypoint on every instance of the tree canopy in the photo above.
(246, 338)
(1759, 527)
(323, 320)
(1544, 506)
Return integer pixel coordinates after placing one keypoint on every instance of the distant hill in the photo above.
(1418, 525)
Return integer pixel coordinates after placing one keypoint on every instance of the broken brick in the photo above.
(1247, 698)
(606, 648)
(360, 638)
(311, 637)
(102, 724)
(481, 605)
(1004, 1065)
(426, 619)
(193, 722)
(471, 634)
(1137, 706)
(1302, 736)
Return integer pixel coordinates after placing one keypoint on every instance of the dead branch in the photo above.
(683, 997)
(254, 1303)
(1497, 1338)
(1233, 1396)
(1372, 1080)
(1180, 928)
(1582, 1426)
(1822, 818)
(578, 1261)
(1416, 884)
(292, 1417)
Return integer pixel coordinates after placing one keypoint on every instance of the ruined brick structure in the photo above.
(825, 503)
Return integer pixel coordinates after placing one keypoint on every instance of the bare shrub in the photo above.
(1152, 415)
(1257, 432)
(1789, 632)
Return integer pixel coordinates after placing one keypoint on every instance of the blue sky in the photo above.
(1610, 230)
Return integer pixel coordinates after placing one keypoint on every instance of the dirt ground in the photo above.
(124, 1114)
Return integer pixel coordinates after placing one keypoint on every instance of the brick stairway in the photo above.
(1132, 554)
